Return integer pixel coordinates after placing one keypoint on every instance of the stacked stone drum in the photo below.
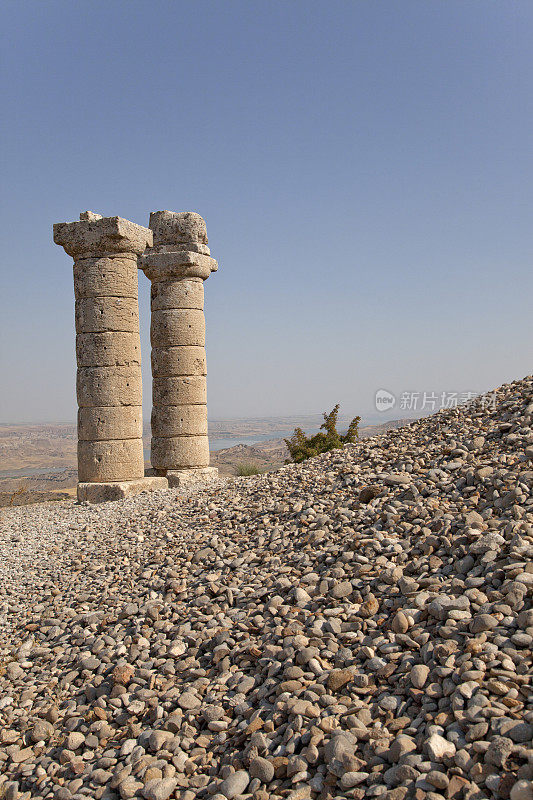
(108, 349)
(177, 265)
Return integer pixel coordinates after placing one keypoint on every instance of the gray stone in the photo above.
(522, 790)
(340, 746)
(351, 779)
(499, 750)
(42, 731)
(439, 748)
(400, 747)
(159, 789)
(437, 779)
(341, 590)
(262, 769)
(235, 784)
(419, 675)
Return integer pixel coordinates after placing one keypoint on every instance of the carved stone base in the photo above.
(119, 490)
(185, 477)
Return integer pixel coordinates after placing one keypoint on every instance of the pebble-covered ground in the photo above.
(357, 626)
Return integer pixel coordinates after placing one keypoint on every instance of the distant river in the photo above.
(216, 443)
(221, 442)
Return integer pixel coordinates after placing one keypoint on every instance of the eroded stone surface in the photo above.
(108, 349)
(107, 422)
(186, 420)
(186, 326)
(106, 277)
(98, 314)
(180, 452)
(178, 227)
(108, 386)
(177, 391)
(102, 460)
(177, 264)
(169, 265)
(102, 236)
(191, 476)
(178, 361)
(178, 294)
(106, 492)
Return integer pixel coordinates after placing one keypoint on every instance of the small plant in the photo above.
(301, 446)
(243, 470)
(19, 492)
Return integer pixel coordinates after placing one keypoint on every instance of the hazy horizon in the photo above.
(365, 172)
(370, 418)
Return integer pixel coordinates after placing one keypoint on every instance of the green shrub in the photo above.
(301, 446)
(243, 470)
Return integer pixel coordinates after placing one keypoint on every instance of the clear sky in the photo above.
(364, 168)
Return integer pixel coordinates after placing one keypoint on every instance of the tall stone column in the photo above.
(108, 351)
(177, 265)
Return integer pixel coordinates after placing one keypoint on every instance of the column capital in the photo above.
(187, 229)
(176, 265)
(96, 237)
(180, 247)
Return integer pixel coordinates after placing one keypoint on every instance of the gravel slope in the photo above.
(357, 626)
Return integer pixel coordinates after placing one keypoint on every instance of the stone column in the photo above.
(108, 351)
(177, 265)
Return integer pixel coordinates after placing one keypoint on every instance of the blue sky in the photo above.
(364, 168)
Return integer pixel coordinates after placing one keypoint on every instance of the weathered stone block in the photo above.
(177, 478)
(177, 264)
(181, 327)
(112, 348)
(174, 361)
(181, 452)
(119, 490)
(104, 236)
(100, 314)
(178, 294)
(103, 461)
(108, 386)
(106, 277)
(92, 215)
(184, 391)
(110, 422)
(177, 227)
(179, 420)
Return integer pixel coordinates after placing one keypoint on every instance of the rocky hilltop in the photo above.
(357, 626)
(273, 453)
